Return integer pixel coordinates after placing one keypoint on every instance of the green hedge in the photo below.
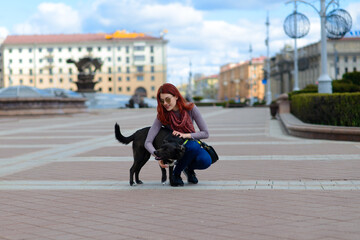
(337, 109)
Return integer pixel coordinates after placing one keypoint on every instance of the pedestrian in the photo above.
(175, 113)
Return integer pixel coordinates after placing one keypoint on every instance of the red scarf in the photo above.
(181, 123)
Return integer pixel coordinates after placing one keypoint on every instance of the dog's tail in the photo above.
(120, 137)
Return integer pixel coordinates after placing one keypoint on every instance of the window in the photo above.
(21, 81)
(69, 49)
(40, 80)
(50, 60)
(70, 80)
(152, 78)
(152, 59)
(79, 48)
(119, 79)
(40, 49)
(152, 88)
(109, 70)
(99, 49)
(127, 69)
(40, 60)
(50, 80)
(346, 70)
(60, 70)
(119, 69)
(140, 69)
(10, 60)
(109, 49)
(354, 58)
(139, 58)
(152, 49)
(100, 89)
(40, 71)
(50, 50)
(20, 71)
(59, 49)
(119, 48)
(346, 59)
(110, 89)
(99, 79)
(109, 59)
(152, 69)
(128, 89)
(30, 50)
(30, 72)
(30, 60)
(119, 89)
(60, 60)
(354, 69)
(60, 80)
(127, 60)
(89, 49)
(20, 50)
(140, 78)
(128, 79)
(139, 48)
(50, 71)
(31, 81)
(127, 49)
(109, 79)
(119, 59)
(70, 70)
(20, 60)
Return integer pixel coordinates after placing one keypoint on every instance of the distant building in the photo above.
(241, 81)
(343, 56)
(207, 86)
(131, 61)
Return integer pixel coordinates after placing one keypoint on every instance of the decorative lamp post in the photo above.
(334, 25)
(296, 25)
(268, 82)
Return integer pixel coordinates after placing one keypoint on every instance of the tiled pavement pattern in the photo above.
(65, 177)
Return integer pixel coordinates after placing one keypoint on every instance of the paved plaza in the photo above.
(66, 177)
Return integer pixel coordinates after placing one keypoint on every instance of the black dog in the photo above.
(168, 148)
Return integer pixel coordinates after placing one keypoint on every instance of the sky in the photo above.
(207, 33)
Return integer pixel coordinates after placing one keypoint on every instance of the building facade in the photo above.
(207, 86)
(241, 81)
(343, 56)
(131, 61)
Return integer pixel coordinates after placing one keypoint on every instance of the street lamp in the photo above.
(268, 82)
(337, 25)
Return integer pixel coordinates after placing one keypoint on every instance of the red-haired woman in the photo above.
(176, 113)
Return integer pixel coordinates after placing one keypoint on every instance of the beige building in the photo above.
(343, 56)
(241, 81)
(131, 61)
(207, 86)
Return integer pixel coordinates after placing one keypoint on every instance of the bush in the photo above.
(340, 86)
(198, 98)
(352, 77)
(338, 109)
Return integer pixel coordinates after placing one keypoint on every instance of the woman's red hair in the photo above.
(183, 105)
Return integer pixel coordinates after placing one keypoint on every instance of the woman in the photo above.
(176, 113)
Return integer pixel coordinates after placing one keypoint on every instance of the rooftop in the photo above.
(79, 37)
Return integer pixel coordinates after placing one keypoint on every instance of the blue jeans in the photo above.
(195, 157)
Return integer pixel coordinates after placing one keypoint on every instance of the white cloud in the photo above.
(3, 32)
(51, 18)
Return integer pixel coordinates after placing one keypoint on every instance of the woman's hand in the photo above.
(182, 135)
